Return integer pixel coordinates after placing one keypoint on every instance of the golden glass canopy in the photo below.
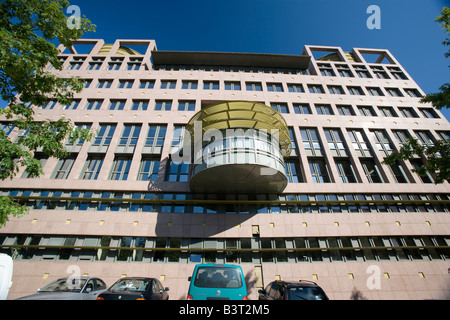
(243, 114)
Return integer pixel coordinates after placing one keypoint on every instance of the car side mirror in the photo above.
(166, 289)
(189, 278)
(261, 291)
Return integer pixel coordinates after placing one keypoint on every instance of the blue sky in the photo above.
(408, 28)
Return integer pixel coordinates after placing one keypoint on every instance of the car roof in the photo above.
(217, 265)
(300, 283)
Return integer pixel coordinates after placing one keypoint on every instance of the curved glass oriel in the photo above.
(242, 149)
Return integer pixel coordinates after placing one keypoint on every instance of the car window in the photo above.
(306, 293)
(218, 277)
(100, 285)
(66, 285)
(89, 285)
(131, 285)
(275, 291)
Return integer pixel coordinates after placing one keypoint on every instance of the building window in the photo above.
(210, 85)
(168, 84)
(371, 171)
(134, 64)
(177, 171)
(397, 73)
(147, 84)
(92, 168)
(148, 170)
(408, 112)
(302, 108)
(394, 92)
(429, 113)
(355, 91)
(344, 70)
(186, 106)
(115, 63)
(76, 63)
(232, 85)
(315, 88)
(116, 105)
(398, 172)
(253, 86)
(345, 110)
(382, 141)
(367, 111)
(125, 84)
(379, 72)
(401, 135)
(388, 111)
(373, 91)
(120, 168)
(326, 69)
(95, 64)
(63, 167)
(413, 93)
(336, 90)
(165, 105)
(295, 87)
(104, 135)
(293, 172)
(319, 170)
(362, 71)
(425, 137)
(359, 143)
(280, 107)
(426, 178)
(94, 104)
(155, 136)
(139, 105)
(345, 171)
(324, 109)
(189, 84)
(73, 105)
(311, 142)
(130, 135)
(104, 83)
(275, 87)
(336, 142)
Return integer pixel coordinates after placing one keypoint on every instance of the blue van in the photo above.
(217, 282)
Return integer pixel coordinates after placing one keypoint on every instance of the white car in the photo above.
(72, 288)
(6, 269)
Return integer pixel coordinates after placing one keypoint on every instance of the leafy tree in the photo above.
(437, 156)
(28, 29)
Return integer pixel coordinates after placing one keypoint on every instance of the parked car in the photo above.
(6, 271)
(136, 288)
(284, 290)
(72, 288)
(217, 282)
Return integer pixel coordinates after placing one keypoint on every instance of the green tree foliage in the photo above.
(28, 31)
(437, 156)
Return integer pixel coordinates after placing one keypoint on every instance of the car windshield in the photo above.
(65, 285)
(306, 293)
(135, 285)
(218, 277)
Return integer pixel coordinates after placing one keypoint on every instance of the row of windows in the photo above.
(313, 148)
(245, 204)
(243, 250)
(391, 72)
(256, 86)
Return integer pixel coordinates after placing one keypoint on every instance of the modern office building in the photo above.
(272, 162)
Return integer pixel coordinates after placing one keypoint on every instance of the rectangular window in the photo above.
(388, 111)
(63, 167)
(155, 136)
(148, 170)
(345, 110)
(345, 171)
(120, 168)
(210, 85)
(355, 91)
(336, 142)
(189, 84)
(344, 70)
(186, 106)
(408, 112)
(164, 105)
(293, 172)
(104, 135)
(177, 171)
(425, 137)
(429, 113)
(125, 84)
(134, 64)
(168, 84)
(359, 143)
(147, 84)
(413, 93)
(311, 142)
(401, 135)
(73, 105)
(94, 104)
(336, 90)
(373, 91)
(95, 64)
(115, 63)
(232, 85)
(253, 86)
(92, 168)
(315, 88)
(394, 92)
(104, 83)
(319, 171)
(275, 87)
(326, 69)
(302, 108)
(371, 171)
(130, 135)
(367, 111)
(362, 71)
(116, 105)
(139, 105)
(382, 141)
(280, 107)
(324, 109)
(295, 87)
